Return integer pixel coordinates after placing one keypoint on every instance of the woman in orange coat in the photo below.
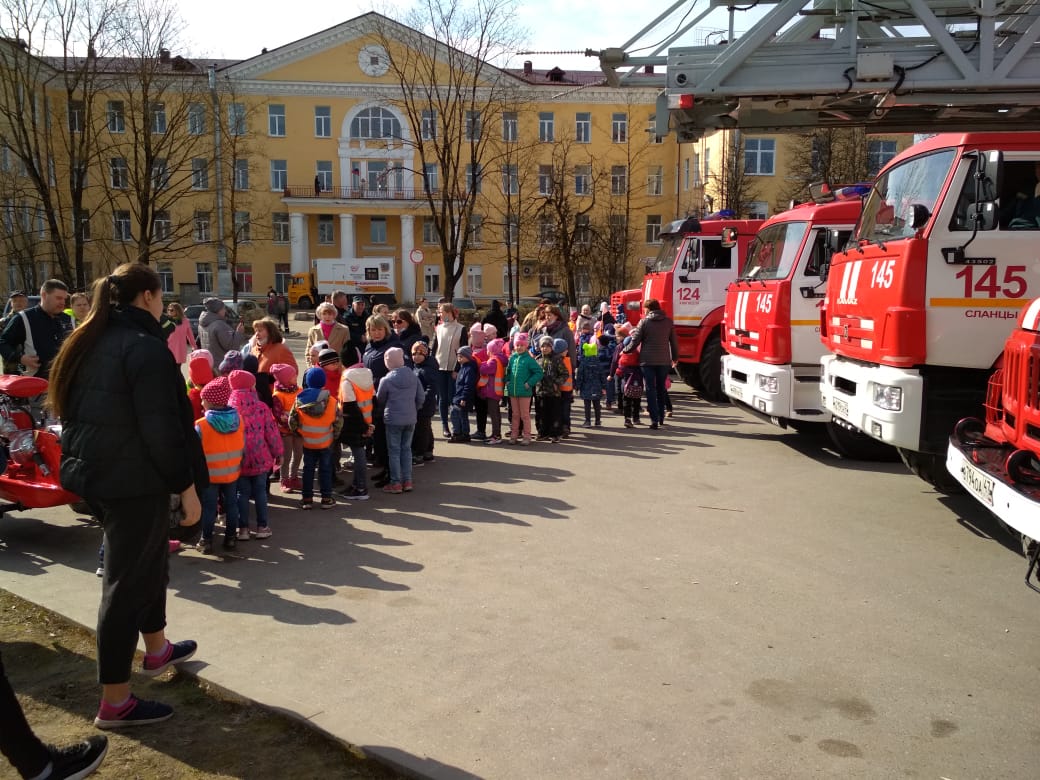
(268, 345)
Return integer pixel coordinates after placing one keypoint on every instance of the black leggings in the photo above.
(133, 591)
(23, 748)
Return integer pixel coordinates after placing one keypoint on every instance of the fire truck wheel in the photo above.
(81, 508)
(855, 445)
(689, 374)
(304, 303)
(1022, 466)
(710, 371)
(932, 469)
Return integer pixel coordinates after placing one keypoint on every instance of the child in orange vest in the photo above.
(284, 396)
(494, 370)
(223, 442)
(316, 417)
(356, 394)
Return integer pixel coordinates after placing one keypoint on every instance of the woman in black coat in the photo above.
(128, 443)
(408, 332)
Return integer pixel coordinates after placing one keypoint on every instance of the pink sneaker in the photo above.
(393, 487)
(407, 487)
(175, 546)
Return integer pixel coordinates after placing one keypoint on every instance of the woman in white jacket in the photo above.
(447, 338)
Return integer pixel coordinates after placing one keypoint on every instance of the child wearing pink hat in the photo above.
(263, 449)
(285, 391)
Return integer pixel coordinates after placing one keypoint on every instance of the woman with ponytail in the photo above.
(128, 443)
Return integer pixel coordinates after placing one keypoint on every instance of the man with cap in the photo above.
(32, 337)
(19, 301)
(215, 334)
(355, 321)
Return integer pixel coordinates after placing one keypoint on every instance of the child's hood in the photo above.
(315, 407)
(223, 420)
(359, 376)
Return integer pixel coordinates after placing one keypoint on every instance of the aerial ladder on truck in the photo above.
(891, 66)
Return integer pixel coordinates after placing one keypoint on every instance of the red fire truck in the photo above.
(631, 303)
(772, 319)
(920, 303)
(690, 277)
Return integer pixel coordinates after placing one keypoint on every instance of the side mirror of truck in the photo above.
(729, 237)
(690, 263)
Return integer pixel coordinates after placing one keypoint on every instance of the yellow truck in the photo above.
(358, 276)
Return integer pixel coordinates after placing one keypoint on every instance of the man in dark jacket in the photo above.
(355, 319)
(497, 317)
(658, 346)
(48, 326)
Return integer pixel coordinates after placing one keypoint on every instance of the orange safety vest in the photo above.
(287, 398)
(317, 431)
(500, 377)
(365, 400)
(568, 383)
(223, 451)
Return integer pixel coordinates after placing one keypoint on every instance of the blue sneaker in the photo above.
(136, 712)
(175, 653)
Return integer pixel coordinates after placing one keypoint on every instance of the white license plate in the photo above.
(736, 392)
(841, 408)
(977, 482)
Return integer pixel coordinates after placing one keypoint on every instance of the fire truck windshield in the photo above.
(774, 250)
(670, 246)
(888, 212)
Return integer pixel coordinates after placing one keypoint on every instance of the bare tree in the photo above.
(572, 191)
(52, 146)
(451, 93)
(834, 155)
(732, 187)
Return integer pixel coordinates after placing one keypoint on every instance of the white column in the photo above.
(347, 248)
(408, 268)
(298, 249)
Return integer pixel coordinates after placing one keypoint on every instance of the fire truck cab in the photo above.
(919, 304)
(690, 277)
(772, 318)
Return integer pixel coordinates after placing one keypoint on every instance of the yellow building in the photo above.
(315, 151)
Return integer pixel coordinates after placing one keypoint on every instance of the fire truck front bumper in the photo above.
(883, 402)
(783, 392)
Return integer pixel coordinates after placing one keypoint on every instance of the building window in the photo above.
(323, 121)
(280, 227)
(116, 117)
(279, 175)
(473, 178)
(653, 228)
(429, 231)
(122, 226)
(545, 126)
(618, 231)
(619, 128)
(759, 156)
(651, 127)
(324, 174)
(199, 174)
(162, 226)
(244, 277)
(120, 175)
(160, 175)
(582, 230)
(476, 229)
(546, 279)
(583, 127)
(431, 279)
(878, 155)
(510, 127)
(159, 118)
(237, 119)
(196, 119)
(546, 232)
(582, 176)
(243, 229)
(707, 165)
(696, 170)
(429, 125)
(377, 230)
(241, 175)
(512, 230)
(326, 229)
(200, 227)
(510, 180)
(618, 179)
(686, 174)
(276, 120)
(204, 277)
(472, 128)
(165, 277)
(76, 114)
(654, 180)
(282, 277)
(474, 280)
(758, 209)
(84, 226)
(430, 177)
(545, 180)
(375, 122)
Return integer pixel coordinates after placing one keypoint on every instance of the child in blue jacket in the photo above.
(465, 395)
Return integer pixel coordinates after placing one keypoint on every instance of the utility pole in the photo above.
(225, 288)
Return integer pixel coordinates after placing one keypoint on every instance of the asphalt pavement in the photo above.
(718, 599)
